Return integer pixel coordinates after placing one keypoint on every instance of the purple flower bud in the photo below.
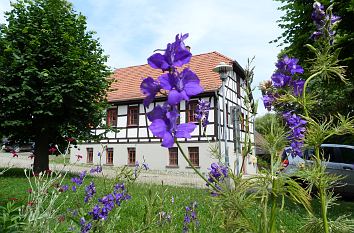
(202, 112)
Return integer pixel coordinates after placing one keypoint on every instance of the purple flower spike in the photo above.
(97, 169)
(289, 66)
(297, 131)
(150, 88)
(95, 213)
(181, 87)
(85, 227)
(316, 35)
(202, 112)
(145, 166)
(335, 19)
(64, 188)
(318, 15)
(90, 190)
(177, 85)
(268, 101)
(280, 80)
(176, 55)
(298, 87)
(164, 125)
(324, 23)
(185, 130)
(190, 217)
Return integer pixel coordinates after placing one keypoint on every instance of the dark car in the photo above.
(13, 146)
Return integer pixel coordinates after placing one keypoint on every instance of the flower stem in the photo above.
(304, 91)
(322, 192)
(194, 168)
(273, 210)
(324, 210)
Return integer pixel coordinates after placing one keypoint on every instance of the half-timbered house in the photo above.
(134, 142)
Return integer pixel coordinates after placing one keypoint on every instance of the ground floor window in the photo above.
(109, 156)
(173, 156)
(194, 155)
(89, 152)
(131, 156)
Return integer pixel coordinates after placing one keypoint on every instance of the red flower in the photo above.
(61, 218)
(14, 154)
(29, 190)
(79, 157)
(30, 203)
(31, 156)
(13, 199)
(48, 171)
(70, 139)
(52, 150)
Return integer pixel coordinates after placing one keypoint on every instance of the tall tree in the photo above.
(53, 77)
(333, 97)
(264, 123)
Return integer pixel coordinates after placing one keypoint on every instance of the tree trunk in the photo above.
(41, 158)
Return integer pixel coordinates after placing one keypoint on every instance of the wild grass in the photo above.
(14, 187)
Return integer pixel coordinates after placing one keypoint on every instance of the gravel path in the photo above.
(156, 177)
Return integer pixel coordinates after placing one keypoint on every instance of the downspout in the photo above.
(218, 121)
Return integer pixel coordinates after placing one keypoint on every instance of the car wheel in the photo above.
(16, 148)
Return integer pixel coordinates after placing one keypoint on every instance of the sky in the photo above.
(130, 30)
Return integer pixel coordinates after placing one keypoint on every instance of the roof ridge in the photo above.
(130, 67)
(222, 55)
(196, 55)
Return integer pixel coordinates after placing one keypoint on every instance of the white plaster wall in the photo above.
(156, 156)
(122, 121)
(122, 109)
(132, 132)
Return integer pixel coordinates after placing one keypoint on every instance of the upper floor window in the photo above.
(173, 156)
(131, 156)
(194, 155)
(109, 159)
(112, 117)
(89, 155)
(191, 113)
(133, 115)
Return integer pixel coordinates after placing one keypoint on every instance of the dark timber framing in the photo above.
(140, 134)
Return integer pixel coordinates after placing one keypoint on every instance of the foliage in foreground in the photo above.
(132, 215)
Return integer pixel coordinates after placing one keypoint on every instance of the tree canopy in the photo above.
(333, 96)
(264, 123)
(53, 77)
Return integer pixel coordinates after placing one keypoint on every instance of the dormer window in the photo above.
(133, 115)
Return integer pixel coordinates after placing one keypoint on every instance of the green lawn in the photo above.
(59, 159)
(14, 185)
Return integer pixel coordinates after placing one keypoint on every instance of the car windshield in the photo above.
(334, 154)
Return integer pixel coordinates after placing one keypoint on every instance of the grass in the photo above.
(59, 159)
(13, 184)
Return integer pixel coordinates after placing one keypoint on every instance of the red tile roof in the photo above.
(127, 80)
